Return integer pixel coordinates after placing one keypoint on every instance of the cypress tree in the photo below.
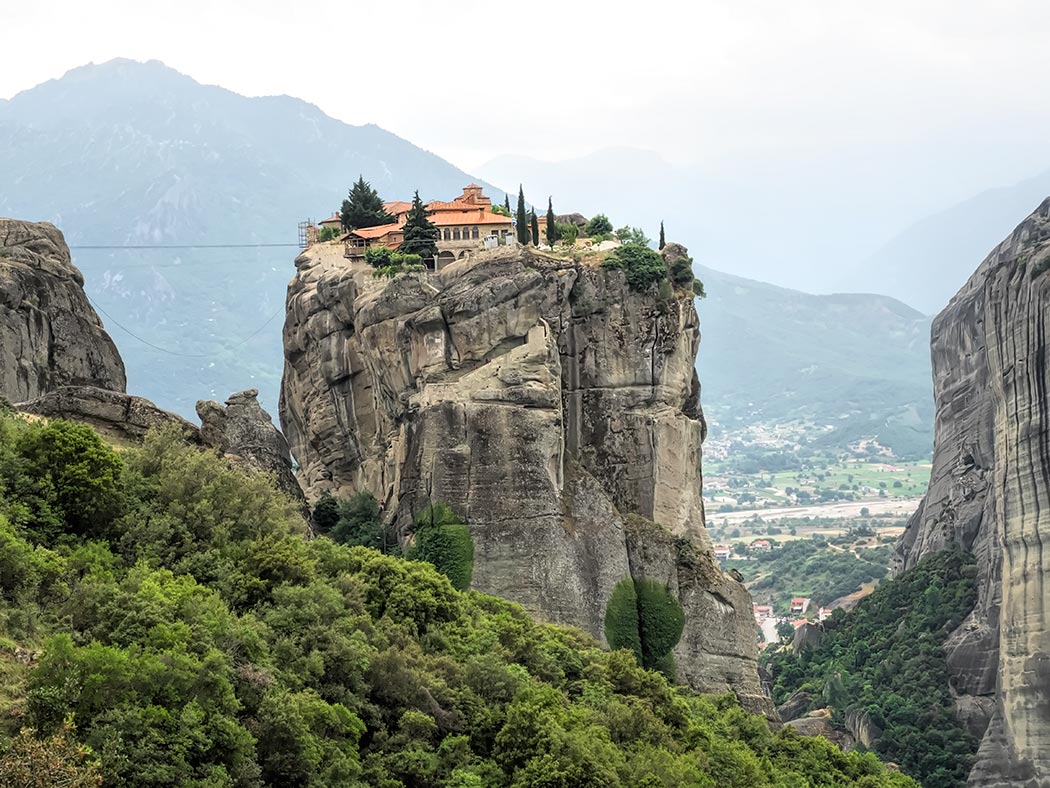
(506, 203)
(534, 225)
(663, 243)
(553, 236)
(363, 207)
(420, 233)
(522, 219)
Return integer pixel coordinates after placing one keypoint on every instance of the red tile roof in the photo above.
(376, 232)
(474, 216)
(396, 207)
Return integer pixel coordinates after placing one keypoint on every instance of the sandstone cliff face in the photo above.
(990, 493)
(544, 401)
(49, 334)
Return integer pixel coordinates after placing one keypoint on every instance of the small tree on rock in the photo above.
(553, 234)
(663, 242)
(521, 219)
(420, 233)
(363, 207)
(598, 225)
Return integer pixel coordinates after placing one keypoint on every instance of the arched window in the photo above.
(455, 233)
(447, 234)
(475, 233)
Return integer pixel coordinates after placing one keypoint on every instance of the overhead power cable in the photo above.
(183, 246)
(213, 354)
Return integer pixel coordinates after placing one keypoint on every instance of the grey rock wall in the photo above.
(49, 334)
(990, 493)
(549, 405)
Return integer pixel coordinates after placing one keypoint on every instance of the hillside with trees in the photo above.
(165, 620)
(886, 661)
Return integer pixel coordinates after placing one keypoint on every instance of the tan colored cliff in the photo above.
(544, 401)
(49, 334)
(990, 493)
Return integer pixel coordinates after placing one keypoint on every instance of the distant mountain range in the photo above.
(136, 154)
(853, 227)
(132, 154)
(927, 263)
(854, 365)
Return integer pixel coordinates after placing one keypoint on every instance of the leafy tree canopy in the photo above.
(194, 636)
(363, 207)
(420, 233)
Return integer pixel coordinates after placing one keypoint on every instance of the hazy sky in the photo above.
(696, 81)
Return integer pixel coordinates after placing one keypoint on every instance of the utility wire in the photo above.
(131, 333)
(184, 246)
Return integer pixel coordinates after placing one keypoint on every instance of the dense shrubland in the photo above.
(184, 631)
(886, 658)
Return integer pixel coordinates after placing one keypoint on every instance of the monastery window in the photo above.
(447, 234)
(475, 232)
(455, 233)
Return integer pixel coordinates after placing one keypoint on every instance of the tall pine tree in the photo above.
(663, 243)
(420, 233)
(553, 235)
(363, 207)
(534, 226)
(521, 219)
(506, 203)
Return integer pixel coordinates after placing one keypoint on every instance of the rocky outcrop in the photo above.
(549, 405)
(49, 334)
(807, 636)
(244, 432)
(113, 413)
(818, 723)
(862, 728)
(990, 493)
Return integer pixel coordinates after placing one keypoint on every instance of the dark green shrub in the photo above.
(442, 539)
(598, 225)
(74, 474)
(360, 523)
(643, 617)
(621, 619)
(641, 265)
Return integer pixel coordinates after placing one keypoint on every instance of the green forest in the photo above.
(886, 659)
(166, 620)
(811, 568)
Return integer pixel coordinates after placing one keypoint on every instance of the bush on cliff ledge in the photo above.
(197, 638)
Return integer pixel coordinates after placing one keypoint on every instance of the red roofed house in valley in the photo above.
(464, 224)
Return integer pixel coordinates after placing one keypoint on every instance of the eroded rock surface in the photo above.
(990, 493)
(113, 413)
(553, 408)
(49, 334)
(244, 432)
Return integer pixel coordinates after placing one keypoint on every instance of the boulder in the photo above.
(862, 728)
(113, 413)
(244, 432)
(807, 636)
(795, 706)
